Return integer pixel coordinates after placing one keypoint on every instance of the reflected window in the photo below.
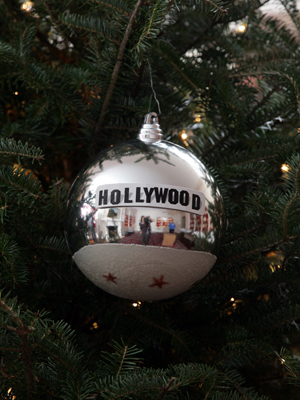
(183, 222)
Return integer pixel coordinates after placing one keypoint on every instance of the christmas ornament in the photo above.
(145, 218)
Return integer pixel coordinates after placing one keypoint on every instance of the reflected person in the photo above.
(145, 229)
(172, 227)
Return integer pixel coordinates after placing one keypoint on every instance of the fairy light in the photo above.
(137, 304)
(275, 260)
(184, 135)
(9, 394)
(197, 118)
(27, 6)
(16, 93)
(232, 299)
(242, 28)
(285, 168)
(275, 268)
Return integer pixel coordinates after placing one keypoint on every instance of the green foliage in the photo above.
(10, 148)
(291, 365)
(122, 361)
(12, 266)
(78, 77)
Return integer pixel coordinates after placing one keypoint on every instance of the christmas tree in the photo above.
(78, 76)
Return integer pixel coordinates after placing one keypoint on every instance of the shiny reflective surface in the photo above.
(144, 221)
(150, 166)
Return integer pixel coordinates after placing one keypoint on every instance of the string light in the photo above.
(275, 260)
(94, 326)
(16, 93)
(274, 268)
(197, 118)
(242, 28)
(232, 299)
(27, 6)
(137, 304)
(285, 168)
(184, 135)
(9, 393)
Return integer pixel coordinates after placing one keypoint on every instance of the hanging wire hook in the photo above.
(151, 82)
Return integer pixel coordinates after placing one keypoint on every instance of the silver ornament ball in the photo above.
(145, 218)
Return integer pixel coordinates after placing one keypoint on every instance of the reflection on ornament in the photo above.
(27, 6)
(145, 218)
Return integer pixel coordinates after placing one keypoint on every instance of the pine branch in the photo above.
(122, 360)
(22, 331)
(215, 6)
(20, 186)
(112, 5)
(55, 22)
(92, 25)
(166, 389)
(175, 335)
(117, 67)
(9, 147)
(286, 213)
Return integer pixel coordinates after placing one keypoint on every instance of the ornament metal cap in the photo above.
(150, 131)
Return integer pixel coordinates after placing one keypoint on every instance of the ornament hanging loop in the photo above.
(150, 131)
(151, 118)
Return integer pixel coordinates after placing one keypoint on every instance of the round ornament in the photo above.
(145, 218)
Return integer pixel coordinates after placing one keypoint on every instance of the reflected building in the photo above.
(122, 225)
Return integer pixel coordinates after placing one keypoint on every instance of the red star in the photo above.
(111, 278)
(159, 282)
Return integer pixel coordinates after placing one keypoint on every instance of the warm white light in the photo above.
(285, 168)
(134, 304)
(241, 28)
(16, 93)
(184, 136)
(232, 299)
(27, 6)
